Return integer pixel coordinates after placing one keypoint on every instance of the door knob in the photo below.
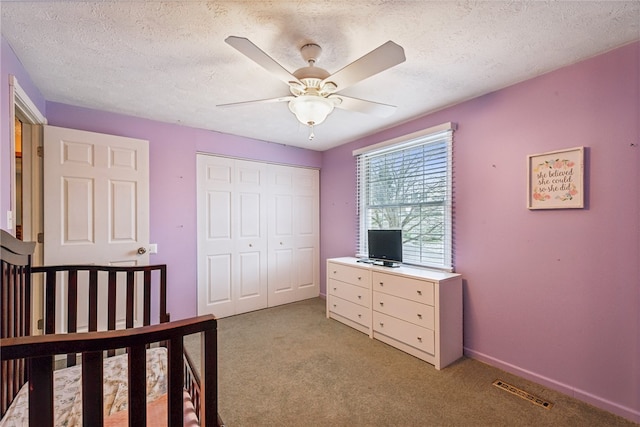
(142, 251)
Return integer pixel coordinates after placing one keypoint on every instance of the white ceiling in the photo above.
(168, 61)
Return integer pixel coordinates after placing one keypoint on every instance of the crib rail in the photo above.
(39, 351)
(53, 280)
(15, 309)
(71, 281)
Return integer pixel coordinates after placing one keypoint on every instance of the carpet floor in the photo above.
(291, 366)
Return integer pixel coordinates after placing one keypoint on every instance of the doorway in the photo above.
(25, 219)
(18, 179)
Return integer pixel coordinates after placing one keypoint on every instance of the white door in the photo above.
(293, 234)
(96, 199)
(232, 239)
(307, 233)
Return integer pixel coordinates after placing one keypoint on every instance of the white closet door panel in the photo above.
(282, 277)
(263, 217)
(306, 224)
(283, 215)
(294, 228)
(218, 209)
(249, 286)
(218, 291)
(219, 274)
(215, 244)
(248, 175)
(250, 240)
(219, 175)
(283, 180)
(306, 272)
(251, 283)
(308, 233)
(249, 215)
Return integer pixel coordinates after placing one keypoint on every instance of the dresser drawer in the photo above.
(416, 313)
(404, 287)
(421, 338)
(353, 293)
(351, 311)
(348, 274)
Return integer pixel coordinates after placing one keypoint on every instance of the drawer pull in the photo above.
(359, 278)
(419, 292)
(359, 315)
(335, 305)
(381, 324)
(335, 289)
(335, 272)
(420, 339)
(381, 303)
(359, 296)
(381, 283)
(419, 316)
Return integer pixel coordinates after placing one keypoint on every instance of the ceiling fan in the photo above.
(313, 90)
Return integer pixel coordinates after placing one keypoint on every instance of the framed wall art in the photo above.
(556, 179)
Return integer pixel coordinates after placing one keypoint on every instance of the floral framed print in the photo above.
(556, 179)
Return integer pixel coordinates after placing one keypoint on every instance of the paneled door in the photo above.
(232, 237)
(96, 200)
(293, 234)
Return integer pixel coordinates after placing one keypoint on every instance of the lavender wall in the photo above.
(553, 295)
(172, 159)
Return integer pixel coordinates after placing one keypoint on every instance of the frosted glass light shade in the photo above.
(311, 110)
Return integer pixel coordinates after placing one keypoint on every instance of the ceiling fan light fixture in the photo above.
(311, 110)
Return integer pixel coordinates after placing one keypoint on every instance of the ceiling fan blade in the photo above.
(374, 62)
(258, 101)
(362, 106)
(253, 52)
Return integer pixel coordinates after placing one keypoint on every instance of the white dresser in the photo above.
(416, 310)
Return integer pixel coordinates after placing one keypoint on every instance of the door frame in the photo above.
(24, 108)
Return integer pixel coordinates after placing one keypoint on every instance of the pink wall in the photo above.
(553, 295)
(172, 159)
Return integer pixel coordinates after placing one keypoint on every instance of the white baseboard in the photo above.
(587, 397)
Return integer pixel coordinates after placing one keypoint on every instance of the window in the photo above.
(406, 184)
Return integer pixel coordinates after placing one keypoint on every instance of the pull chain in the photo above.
(311, 134)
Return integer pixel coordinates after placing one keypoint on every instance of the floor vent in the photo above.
(523, 394)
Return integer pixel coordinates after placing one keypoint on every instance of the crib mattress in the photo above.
(68, 390)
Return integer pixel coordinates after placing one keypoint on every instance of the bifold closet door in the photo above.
(232, 236)
(293, 227)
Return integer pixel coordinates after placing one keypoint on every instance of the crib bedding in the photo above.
(68, 390)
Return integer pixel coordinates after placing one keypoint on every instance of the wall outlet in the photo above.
(9, 220)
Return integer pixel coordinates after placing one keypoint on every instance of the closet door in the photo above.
(293, 234)
(232, 238)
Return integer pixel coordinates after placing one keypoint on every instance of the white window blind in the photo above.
(406, 184)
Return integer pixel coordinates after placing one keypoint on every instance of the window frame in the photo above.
(423, 139)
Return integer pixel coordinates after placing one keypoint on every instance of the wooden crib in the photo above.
(95, 315)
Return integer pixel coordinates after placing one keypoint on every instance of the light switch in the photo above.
(153, 248)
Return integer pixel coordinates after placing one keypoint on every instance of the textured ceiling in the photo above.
(167, 61)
